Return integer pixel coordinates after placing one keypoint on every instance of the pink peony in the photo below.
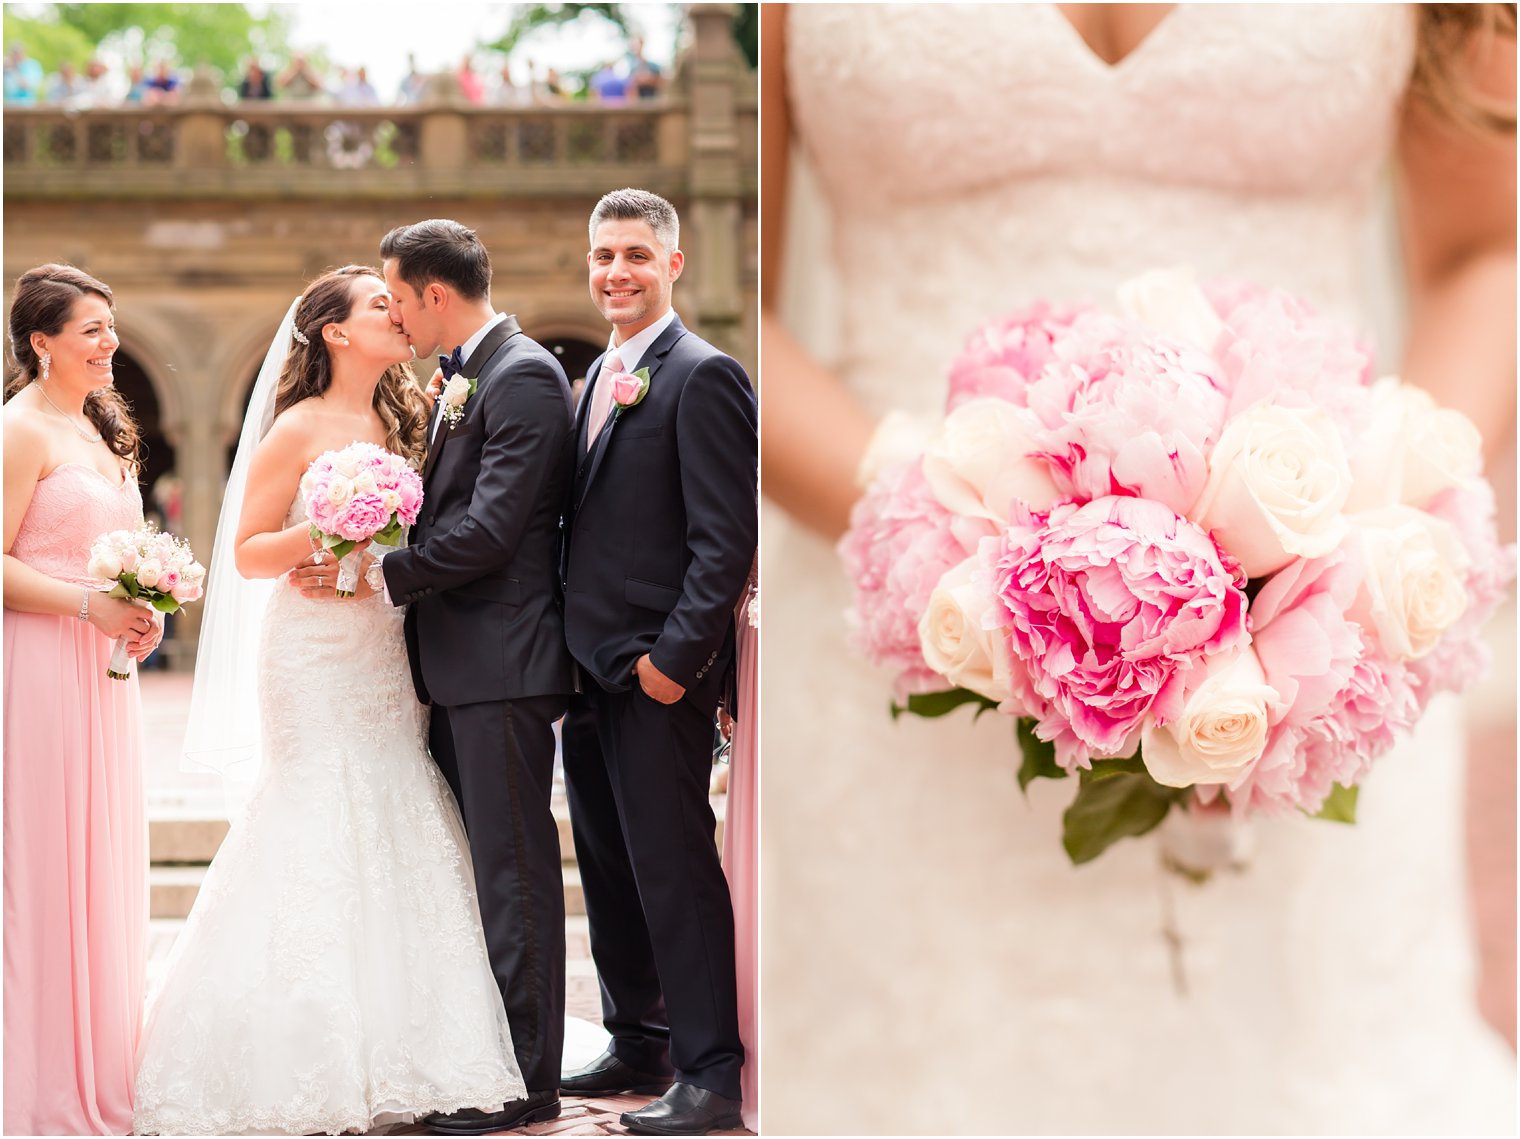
(1276, 346)
(900, 543)
(1307, 645)
(1119, 411)
(1107, 605)
(1004, 356)
(363, 517)
(409, 487)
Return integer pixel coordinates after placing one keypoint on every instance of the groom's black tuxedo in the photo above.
(486, 639)
(661, 527)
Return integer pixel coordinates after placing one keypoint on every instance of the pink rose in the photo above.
(1004, 356)
(900, 543)
(627, 389)
(168, 580)
(364, 516)
(1107, 605)
(1119, 411)
(185, 591)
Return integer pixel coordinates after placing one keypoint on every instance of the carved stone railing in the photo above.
(325, 152)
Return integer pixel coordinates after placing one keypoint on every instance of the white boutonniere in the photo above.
(456, 393)
(628, 390)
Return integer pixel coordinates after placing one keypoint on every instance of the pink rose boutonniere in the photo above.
(628, 390)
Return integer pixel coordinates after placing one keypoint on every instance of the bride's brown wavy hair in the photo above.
(308, 369)
(1447, 38)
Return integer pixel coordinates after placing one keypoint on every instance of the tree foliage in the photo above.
(530, 18)
(222, 35)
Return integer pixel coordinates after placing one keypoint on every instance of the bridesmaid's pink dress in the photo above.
(76, 850)
(741, 853)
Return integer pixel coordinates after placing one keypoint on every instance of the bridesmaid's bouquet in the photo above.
(362, 491)
(146, 564)
(1197, 552)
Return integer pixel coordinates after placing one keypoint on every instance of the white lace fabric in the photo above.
(932, 962)
(333, 970)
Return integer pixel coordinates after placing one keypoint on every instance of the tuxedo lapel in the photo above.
(501, 332)
(652, 359)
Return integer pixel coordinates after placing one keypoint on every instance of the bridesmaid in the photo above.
(75, 845)
(741, 841)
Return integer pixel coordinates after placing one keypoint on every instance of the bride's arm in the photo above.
(266, 547)
(1457, 192)
(814, 430)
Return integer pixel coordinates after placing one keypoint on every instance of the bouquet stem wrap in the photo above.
(121, 664)
(348, 573)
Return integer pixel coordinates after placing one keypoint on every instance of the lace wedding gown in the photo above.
(932, 962)
(333, 969)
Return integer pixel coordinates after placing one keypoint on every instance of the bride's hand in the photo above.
(434, 389)
(316, 576)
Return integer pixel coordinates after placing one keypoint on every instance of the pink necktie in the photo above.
(601, 397)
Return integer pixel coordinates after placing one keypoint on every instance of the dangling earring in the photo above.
(47, 362)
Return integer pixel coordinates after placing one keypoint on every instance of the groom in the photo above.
(660, 532)
(483, 625)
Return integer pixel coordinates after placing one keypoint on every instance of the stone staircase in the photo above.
(184, 832)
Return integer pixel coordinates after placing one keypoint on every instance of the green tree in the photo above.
(48, 42)
(530, 18)
(222, 35)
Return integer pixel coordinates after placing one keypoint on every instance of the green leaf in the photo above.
(391, 535)
(1103, 768)
(1039, 756)
(166, 604)
(120, 588)
(1339, 806)
(1111, 805)
(930, 704)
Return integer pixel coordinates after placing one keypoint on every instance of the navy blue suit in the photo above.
(486, 640)
(661, 527)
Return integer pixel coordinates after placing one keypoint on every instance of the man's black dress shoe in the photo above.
(536, 1108)
(684, 1110)
(607, 1075)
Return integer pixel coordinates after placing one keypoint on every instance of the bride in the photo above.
(932, 962)
(333, 970)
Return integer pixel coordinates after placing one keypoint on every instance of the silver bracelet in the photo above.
(84, 607)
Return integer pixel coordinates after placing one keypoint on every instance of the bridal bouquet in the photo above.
(149, 565)
(1190, 545)
(362, 491)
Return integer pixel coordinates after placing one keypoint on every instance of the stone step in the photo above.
(192, 833)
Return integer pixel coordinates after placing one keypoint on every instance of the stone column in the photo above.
(202, 143)
(714, 71)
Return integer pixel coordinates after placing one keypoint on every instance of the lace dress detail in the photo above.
(923, 918)
(333, 970)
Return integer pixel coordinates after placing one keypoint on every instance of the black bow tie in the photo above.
(452, 365)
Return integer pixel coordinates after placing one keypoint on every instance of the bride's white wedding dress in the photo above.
(932, 962)
(333, 969)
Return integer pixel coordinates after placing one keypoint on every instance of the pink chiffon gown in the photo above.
(76, 850)
(741, 848)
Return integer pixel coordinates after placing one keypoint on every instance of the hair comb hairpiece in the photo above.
(300, 336)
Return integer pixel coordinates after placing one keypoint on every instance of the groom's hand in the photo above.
(656, 685)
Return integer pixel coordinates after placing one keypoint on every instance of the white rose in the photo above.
(979, 462)
(345, 464)
(1170, 302)
(1223, 727)
(148, 573)
(898, 437)
(195, 572)
(1412, 450)
(391, 499)
(1412, 586)
(365, 483)
(456, 391)
(1278, 478)
(105, 565)
(339, 491)
(955, 644)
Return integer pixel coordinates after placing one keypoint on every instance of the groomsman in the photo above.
(661, 528)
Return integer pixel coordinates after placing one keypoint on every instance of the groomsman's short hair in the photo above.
(439, 250)
(639, 205)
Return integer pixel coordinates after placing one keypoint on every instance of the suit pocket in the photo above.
(627, 434)
(501, 590)
(648, 595)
